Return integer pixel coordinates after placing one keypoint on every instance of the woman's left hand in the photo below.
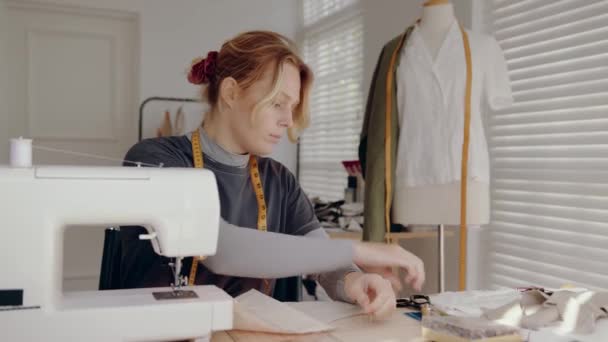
(372, 292)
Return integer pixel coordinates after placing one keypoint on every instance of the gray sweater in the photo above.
(244, 254)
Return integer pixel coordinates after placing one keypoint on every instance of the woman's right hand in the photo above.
(382, 258)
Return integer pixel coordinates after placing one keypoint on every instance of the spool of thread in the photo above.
(425, 309)
(21, 152)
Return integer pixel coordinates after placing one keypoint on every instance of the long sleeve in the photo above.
(251, 253)
(333, 282)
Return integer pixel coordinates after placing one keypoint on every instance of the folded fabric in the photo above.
(575, 312)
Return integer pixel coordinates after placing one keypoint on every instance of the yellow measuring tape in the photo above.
(464, 167)
(256, 182)
(465, 154)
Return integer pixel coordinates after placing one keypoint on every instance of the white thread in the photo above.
(94, 156)
(21, 153)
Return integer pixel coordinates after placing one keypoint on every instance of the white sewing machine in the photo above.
(36, 205)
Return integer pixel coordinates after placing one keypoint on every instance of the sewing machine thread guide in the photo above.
(177, 294)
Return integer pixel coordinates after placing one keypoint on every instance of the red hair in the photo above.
(245, 58)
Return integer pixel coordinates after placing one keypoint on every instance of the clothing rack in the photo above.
(158, 98)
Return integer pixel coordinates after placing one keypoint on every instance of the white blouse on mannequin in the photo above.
(430, 98)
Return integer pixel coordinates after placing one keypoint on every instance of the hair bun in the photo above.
(202, 70)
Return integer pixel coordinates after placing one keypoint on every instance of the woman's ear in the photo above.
(229, 91)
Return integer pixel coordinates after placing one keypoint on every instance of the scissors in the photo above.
(414, 301)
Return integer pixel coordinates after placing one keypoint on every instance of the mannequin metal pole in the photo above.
(441, 248)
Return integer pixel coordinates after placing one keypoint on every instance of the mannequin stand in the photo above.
(441, 248)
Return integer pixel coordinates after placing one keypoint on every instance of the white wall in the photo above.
(4, 144)
(384, 20)
(172, 33)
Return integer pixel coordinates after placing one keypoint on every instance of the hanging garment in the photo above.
(372, 149)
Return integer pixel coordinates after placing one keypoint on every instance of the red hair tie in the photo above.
(202, 70)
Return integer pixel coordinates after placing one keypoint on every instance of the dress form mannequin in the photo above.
(440, 204)
(435, 23)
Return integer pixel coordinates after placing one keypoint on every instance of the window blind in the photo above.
(315, 10)
(333, 48)
(549, 152)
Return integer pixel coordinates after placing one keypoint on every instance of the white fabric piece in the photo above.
(473, 303)
(574, 311)
(430, 99)
(254, 311)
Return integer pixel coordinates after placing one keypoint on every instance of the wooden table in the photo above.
(353, 327)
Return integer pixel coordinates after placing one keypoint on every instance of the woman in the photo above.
(258, 89)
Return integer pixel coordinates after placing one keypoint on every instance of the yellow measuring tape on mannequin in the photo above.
(256, 182)
(465, 154)
(464, 167)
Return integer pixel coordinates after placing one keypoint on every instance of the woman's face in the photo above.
(258, 133)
